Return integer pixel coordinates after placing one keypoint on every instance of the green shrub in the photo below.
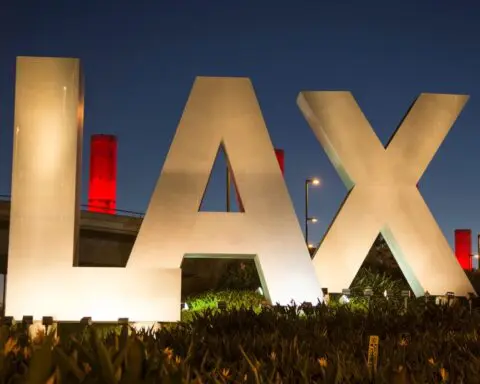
(316, 344)
(380, 283)
(240, 275)
(208, 301)
(366, 278)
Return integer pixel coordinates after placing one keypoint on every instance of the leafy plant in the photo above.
(310, 344)
(233, 300)
(241, 275)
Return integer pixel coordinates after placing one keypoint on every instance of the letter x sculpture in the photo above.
(383, 194)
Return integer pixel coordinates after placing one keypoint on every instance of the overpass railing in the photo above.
(98, 209)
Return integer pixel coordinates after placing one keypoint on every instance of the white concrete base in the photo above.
(104, 294)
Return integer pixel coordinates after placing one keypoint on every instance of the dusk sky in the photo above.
(140, 59)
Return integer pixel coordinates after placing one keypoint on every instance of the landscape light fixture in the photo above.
(345, 298)
(368, 292)
(27, 320)
(259, 291)
(8, 321)
(47, 321)
(427, 296)
(450, 296)
(326, 296)
(406, 295)
(184, 306)
(312, 181)
(86, 321)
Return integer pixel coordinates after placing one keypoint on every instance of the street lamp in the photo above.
(308, 218)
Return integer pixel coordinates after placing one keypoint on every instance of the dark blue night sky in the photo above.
(140, 59)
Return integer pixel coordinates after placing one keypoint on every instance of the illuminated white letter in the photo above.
(225, 111)
(46, 164)
(41, 279)
(383, 196)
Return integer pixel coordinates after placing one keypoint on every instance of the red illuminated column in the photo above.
(103, 174)
(463, 247)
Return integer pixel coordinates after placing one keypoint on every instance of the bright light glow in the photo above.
(45, 167)
(104, 294)
(313, 219)
(344, 299)
(147, 326)
(36, 327)
(311, 246)
(385, 198)
(260, 291)
(315, 181)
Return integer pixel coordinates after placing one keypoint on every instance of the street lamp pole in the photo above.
(228, 189)
(306, 211)
(308, 219)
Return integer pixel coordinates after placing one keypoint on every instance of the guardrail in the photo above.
(87, 207)
(121, 212)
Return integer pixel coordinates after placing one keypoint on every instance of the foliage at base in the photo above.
(425, 343)
(233, 300)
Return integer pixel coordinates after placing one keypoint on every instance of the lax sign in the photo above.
(383, 197)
